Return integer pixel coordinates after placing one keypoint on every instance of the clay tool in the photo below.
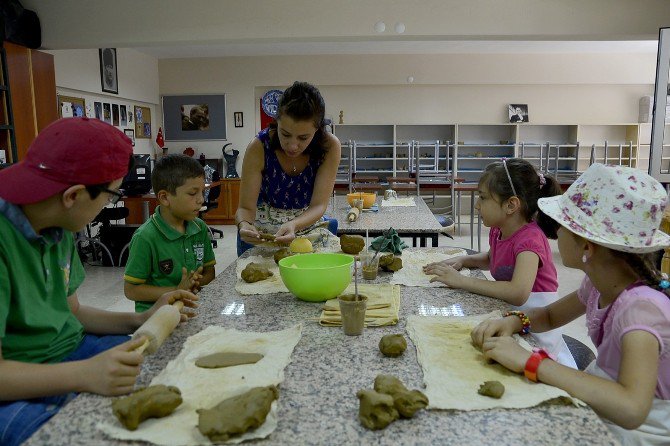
(158, 327)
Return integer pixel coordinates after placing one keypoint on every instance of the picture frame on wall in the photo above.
(142, 122)
(518, 113)
(239, 119)
(108, 72)
(70, 106)
(194, 117)
(115, 114)
(130, 133)
(97, 106)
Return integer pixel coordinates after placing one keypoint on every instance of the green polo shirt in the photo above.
(158, 252)
(37, 274)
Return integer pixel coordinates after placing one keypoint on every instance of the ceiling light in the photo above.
(400, 27)
(380, 27)
(410, 79)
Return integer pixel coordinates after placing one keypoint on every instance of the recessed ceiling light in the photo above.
(380, 27)
(400, 27)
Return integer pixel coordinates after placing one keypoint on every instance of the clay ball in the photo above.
(494, 389)
(393, 345)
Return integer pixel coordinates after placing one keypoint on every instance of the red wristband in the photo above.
(530, 371)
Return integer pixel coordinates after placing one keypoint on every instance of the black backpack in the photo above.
(21, 26)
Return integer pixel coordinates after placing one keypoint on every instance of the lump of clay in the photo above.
(300, 245)
(255, 272)
(266, 236)
(352, 244)
(389, 262)
(236, 415)
(494, 389)
(281, 253)
(376, 410)
(151, 402)
(393, 345)
(227, 359)
(407, 402)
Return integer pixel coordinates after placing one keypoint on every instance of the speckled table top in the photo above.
(415, 219)
(318, 403)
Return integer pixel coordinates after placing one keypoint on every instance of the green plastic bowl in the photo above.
(316, 277)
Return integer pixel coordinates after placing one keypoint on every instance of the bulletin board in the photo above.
(142, 122)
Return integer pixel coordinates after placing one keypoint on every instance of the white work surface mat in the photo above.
(205, 388)
(413, 261)
(453, 368)
(272, 284)
(401, 202)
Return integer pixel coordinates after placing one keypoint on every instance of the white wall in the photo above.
(451, 88)
(78, 75)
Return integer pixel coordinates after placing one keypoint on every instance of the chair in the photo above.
(211, 202)
(95, 244)
(582, 354)
(360, 183)
(403, 184)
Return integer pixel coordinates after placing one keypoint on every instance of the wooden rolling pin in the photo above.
(353, 214)
(158, 327)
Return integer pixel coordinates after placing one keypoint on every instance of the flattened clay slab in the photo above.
(227, 359)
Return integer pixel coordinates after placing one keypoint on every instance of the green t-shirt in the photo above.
(37, 275)
(158, 252)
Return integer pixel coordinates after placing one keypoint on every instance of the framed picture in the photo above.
(130, 133)
(195, 117)
(107, 113)
(97, 106)
(518, 112)
(70, 106)
(124, 118)
(108, 78)
(142, 122)
(239, 119)
(115, 114)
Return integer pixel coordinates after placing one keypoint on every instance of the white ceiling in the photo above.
(397, 47)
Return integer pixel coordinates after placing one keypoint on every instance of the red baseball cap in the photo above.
(67, 152)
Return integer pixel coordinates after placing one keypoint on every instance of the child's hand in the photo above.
(195, 278)
(189, 299)
(506, 352)
(494, 328)
(456, 263)
(445, 274)
(113, 372)
(190, 281)
(285, 233)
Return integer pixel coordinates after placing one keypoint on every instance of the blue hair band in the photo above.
(664, 284)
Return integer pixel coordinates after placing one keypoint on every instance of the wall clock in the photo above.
(270, 102)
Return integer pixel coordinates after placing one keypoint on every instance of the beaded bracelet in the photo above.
(525, 321)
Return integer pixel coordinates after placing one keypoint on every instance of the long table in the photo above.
(317, 403)
(417, 221)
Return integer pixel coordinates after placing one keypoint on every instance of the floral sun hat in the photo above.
(614, 206)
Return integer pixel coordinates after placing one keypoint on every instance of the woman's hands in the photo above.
(286, 232)
(249, 233)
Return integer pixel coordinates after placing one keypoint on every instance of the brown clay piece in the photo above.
(407, 402)
(352, 244)
(150, 402)
(393, 345)
(282, 253)
(389, 262)
(254, 272)
(376, 410)
(236, 415)
(494, 389)
(227, 359)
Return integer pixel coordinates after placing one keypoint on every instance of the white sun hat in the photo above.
(614, 206)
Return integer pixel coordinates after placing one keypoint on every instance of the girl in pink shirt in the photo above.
(610, 221)
(519, 257)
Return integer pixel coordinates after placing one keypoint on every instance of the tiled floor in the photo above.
(103, 287)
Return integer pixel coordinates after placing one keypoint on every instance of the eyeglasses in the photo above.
(115, 195)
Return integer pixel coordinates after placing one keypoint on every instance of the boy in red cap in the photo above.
(50, 345)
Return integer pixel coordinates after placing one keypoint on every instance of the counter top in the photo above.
(317, 403)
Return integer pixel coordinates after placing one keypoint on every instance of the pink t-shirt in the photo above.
(636, 308)
(502, 256)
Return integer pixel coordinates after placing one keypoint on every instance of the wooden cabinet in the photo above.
(31, 80)
(229, 198)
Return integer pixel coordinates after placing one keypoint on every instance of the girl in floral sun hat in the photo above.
(609, 221)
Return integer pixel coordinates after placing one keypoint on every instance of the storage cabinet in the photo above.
(229, 199)
(464, 150)
(31, 80)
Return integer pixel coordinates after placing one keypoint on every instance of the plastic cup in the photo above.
(369, 265)
(353, 313)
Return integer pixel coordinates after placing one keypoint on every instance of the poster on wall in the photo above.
(70, 106)
(142, 122)
(115, 114)
(124, 118)
(97, 106)
(194, 117)
(107, 113)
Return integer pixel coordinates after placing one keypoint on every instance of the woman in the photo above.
(288, 172)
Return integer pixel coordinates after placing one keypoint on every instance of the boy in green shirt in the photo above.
(172, 250)
(50, 345)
